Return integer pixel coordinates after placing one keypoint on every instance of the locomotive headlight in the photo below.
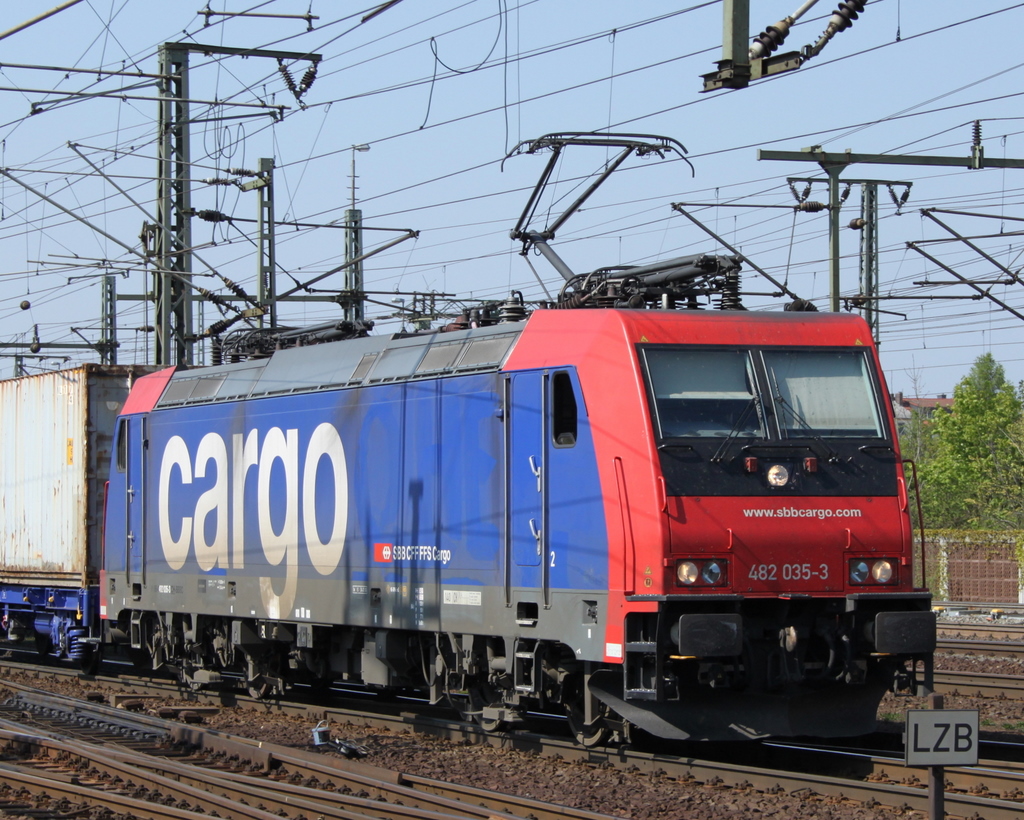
(859, 571)
(881, 571)
(686, 572)
(778, 476)
(712, 572)
(871, 571)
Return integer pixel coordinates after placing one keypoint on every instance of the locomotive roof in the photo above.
(549, 338)
(559, 337)
(349, 363)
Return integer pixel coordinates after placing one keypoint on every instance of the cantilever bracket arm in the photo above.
(640, 144)
(985, 292)
(678, 207)
(409, 234)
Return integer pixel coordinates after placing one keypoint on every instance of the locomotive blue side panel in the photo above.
(378, 506)
(470, 462)
(412, 577)
(124, 533)
(377, 438)
(420, 475)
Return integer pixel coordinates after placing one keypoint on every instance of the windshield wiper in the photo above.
(831, 454)
(734, 432)
(674, 445)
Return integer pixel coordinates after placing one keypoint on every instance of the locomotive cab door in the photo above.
(543, 462)
(527, 489)
(135, 527)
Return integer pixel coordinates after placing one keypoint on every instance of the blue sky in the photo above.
(441, 92)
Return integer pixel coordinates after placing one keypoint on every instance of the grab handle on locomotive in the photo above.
(535, 532)
(535, 469)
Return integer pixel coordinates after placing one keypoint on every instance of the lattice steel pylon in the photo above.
(172, 277)
(869, 254)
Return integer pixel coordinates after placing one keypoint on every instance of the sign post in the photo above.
(937, 738)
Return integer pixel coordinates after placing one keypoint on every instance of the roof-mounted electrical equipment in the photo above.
(668, 284)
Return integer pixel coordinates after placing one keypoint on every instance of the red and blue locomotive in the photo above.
(694, 522)
(639, 513)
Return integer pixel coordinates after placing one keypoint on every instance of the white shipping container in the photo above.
(57, 430)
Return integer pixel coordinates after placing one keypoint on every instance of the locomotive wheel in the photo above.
(490, 724)
(471, 704)
(44, 644)
(266, 676)
(89, 663)
(260, 688)
(588, 736)
(591, 734)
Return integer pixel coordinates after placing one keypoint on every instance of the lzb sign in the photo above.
(940, 737)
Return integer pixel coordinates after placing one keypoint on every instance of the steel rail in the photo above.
(388, 794)
(980, 684)
(71, 789)
(990, 776)
(232, 794)
(976, 647)
(992, 631)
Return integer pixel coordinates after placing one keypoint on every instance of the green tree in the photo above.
(971, 478)
(917, 437)
(917, 443)
(1006, 491)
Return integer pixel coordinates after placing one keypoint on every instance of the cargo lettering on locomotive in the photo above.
(206, 531)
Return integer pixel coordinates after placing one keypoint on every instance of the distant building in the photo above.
(904, 408)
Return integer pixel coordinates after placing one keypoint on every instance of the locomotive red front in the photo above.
(692, 522)
(758, 519)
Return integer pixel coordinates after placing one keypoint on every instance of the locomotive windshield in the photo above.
(704, 392)
(769, 393)
(822, 393)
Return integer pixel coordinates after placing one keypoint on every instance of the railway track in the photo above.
(980, 685)
(1002, 638)
(69, 755)
(981, 608)
(969, 684)
(990, 633)
(1002, 649)
(993, 790)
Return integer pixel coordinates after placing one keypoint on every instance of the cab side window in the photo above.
(122, 445)
(564, 414)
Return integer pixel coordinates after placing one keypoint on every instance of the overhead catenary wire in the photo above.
(569, 236)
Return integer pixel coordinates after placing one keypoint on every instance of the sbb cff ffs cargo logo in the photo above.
(390, 553)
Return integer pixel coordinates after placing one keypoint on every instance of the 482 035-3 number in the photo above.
(787, 572)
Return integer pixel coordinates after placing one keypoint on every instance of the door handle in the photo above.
(535, 468)
(535, 532)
